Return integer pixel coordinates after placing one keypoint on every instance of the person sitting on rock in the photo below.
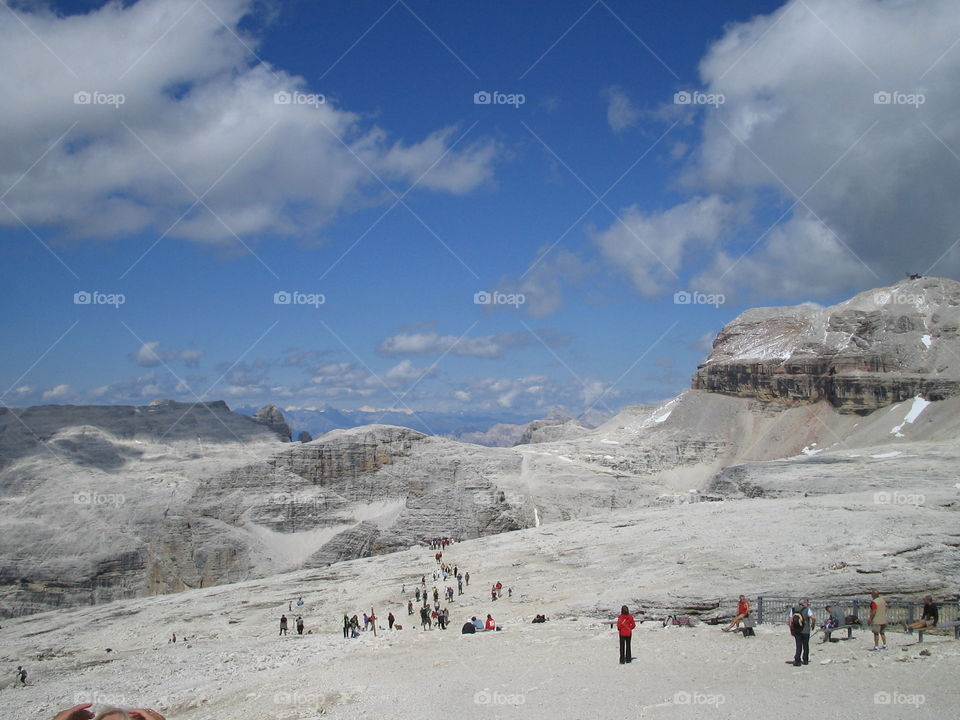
(743, 611)
(468, 628)
(490, 624)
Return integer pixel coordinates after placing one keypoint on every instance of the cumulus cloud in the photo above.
(621, 114)
(198, 117)
(840, 176)
(150, 355)
(544, 283)
(59, 392)
(405, 373)
(651, 248)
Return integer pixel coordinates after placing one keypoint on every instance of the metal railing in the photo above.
(771, 609)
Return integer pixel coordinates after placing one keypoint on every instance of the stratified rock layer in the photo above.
(880, 347)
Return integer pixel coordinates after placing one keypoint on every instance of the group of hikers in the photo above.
(426, 603)
(803, 621)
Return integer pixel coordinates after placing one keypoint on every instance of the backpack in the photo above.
(796, 623)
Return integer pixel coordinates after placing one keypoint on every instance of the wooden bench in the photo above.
(827, 632)
(942, 626)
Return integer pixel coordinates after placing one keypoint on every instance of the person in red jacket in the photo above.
(625, 626)
(491, 625)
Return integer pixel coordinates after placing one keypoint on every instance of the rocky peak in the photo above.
(270, 416)
(880, 347)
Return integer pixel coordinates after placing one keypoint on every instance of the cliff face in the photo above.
(880, 347)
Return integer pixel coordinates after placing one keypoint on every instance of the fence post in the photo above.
(760, 610)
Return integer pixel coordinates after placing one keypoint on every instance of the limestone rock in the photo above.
(880, 347)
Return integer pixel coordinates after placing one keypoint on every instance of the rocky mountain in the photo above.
(880, 347)
(481, 428)
(99, 503)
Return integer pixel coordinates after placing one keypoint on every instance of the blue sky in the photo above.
(146, 153)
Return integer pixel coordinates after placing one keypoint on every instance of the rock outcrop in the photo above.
(880, 347)
(270, 416)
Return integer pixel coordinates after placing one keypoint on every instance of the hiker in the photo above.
(928, 618)
(499, 587)
(459, 584)
(509, 592)
(299, 625)
(290, 606)
(466, 578)
(354, 627)
(743, 611)
(390, 620)
(346, 627)
(796, 622)
(417, 594)
(424, 617)
(283, 624)
(83, 712)
(878, 620)
(22, 674)
(477, 624)
(625, 626)
(490, 624)
(493, 592)
(436, 595)
(409, 607)
(468, 628)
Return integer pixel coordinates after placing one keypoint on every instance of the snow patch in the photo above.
(927, 340)
(891, 454)
(609, 442)
(918, 406)
(564, 458)
(810, 451)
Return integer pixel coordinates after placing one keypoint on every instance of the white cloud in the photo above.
(404, 373)
(878, 181)
(204, 108)
(150, 355)
(432, 343)
(58, 393)
(621, 114)
(652, 247)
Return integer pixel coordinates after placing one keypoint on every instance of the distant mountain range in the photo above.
(453, 425)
